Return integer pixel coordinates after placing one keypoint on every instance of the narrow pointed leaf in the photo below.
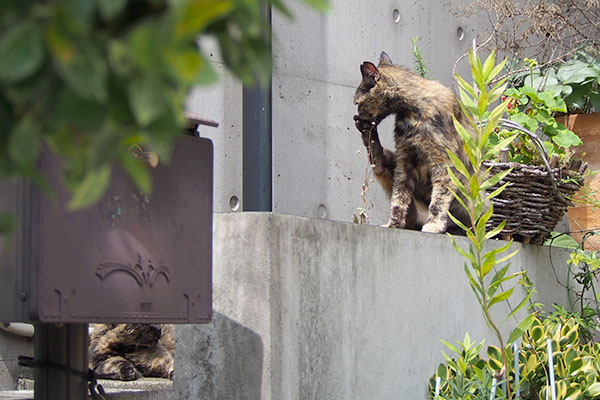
(488, 263)
(457, 222)
(488, 65)
(495, 179)
(458, 184)
(496, 230)
(507, 257)
(496, 70)
(522, 304)
(501, 297)
(521, 328)
(458, 164)
(465, 85)
(497, 280)
(495, 193)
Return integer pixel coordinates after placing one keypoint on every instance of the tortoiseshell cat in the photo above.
(415, 176)
(129, 351)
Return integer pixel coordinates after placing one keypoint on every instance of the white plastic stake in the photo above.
(551, 368)
(494, 384)
(438, 381)
(517, 377)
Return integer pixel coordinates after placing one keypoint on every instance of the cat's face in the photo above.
(131, 337)
(369, 96)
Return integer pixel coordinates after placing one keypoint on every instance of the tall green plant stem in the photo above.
(471, 192)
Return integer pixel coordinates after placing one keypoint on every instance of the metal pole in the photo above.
(257, 159)
(65, 345)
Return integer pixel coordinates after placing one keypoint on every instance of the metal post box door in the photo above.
(131, 257)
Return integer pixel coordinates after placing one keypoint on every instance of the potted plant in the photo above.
(577, 82)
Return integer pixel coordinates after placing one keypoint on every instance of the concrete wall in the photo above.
(11, 347)
(313, 309)
(316, 169)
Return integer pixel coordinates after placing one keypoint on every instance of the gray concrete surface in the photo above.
(316, 169)
(11, 347)
(315, 309)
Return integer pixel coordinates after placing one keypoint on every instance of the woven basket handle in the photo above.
(506, 123)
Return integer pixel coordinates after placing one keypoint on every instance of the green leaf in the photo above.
(494, 179)
(488, 65)
(459, 199)
(500, 145)
(21, 52)
(319, 5)
(457, 222)
(474, 187)
(594, 390)
(566, 139)
(477, 289)
(458, 164)
(507, 257)
(461, 251)
(25, 142)
(495, 193)
(497, 280)
(109, 9)
(529, 123)
(451, 346)
(91, 189)
(138, 172)
(575, 365)
(576, 72)
(191, 67)
(465, 85)
(86, 72)
(78, 113)
(501, 297)
(495, 365)
(458, 185)
(146, 44)
(522, 304)
(146, 99)
(496, 70)
(488, 263)
(595, 102)
(563, 241)
(496, 230)
(494, 353)
(280, 6)
(195, 15)
(521, 328)
(497, 91)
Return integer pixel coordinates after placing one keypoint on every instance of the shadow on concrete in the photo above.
(220, 360)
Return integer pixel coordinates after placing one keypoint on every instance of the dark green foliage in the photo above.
(92, 78)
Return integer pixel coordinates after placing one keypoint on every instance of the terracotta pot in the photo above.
(582, 216)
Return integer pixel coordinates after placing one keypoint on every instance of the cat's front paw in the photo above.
(434, 227)
(362, 124)
(395, 224)
(117, 368)
(128, 372)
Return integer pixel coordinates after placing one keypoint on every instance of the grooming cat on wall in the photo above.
(129, 351)
(415, 176)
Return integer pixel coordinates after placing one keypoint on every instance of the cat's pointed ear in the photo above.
(369, 72)
(384, 59)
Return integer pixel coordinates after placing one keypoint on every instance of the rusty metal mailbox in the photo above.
(130, 258)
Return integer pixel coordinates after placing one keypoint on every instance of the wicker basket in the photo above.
(534, 201)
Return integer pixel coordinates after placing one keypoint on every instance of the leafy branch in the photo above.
(471, 183)
(92, 78)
